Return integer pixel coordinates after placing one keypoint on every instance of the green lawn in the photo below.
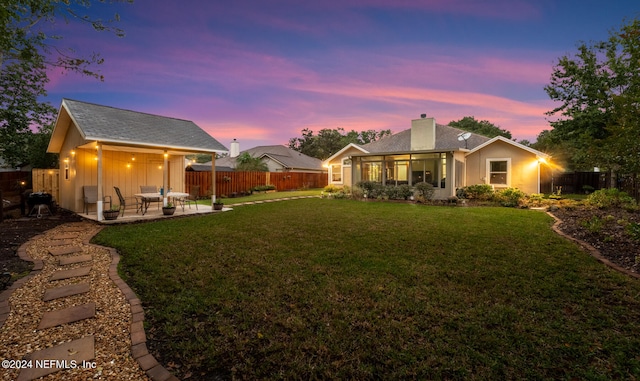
(342, 289)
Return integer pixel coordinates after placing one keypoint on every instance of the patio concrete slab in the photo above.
(67, 315)
(75, 259)
(61, 292)
(71, 273)
(77, 350)
(65, 250)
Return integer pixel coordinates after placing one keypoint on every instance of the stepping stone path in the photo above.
(67, 315)
(65, 250)
(76, 352)
(70, 290)
(71, 273)
(77, 259)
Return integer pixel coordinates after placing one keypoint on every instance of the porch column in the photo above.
(538, 163)
(213, 179)
(99, 205)
(165, 178)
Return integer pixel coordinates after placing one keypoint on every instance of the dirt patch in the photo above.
(610, 231)
(16, 230)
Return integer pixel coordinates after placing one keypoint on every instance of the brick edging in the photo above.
(38, 264)
(588, 247)
(139, 351)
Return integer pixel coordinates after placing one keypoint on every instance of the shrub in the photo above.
(633, 229)
(371, 189)
(479, 192)
(610, 198)
(263, 188)
(332, 188)
(425, 190)
(398, 192)
(510, 197)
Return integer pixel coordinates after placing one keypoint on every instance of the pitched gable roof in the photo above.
(116, 126)
(285, 156)
(446, 139)
(516, 144)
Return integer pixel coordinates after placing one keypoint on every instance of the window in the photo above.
(499, 171)
(336, 173)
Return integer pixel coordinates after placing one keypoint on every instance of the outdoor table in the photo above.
(147, 198)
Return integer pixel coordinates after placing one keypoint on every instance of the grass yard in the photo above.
(264, 196)
(342, 289)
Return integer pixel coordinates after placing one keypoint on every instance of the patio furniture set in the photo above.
(148, 194)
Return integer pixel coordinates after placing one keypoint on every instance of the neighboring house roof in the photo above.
(116, 126)
(446, 139)
(285, 156)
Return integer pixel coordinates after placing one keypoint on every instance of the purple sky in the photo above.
(261, 71)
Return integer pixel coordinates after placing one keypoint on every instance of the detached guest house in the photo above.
(444, 156)
(105, 147)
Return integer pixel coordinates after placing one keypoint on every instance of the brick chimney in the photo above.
(423, 133)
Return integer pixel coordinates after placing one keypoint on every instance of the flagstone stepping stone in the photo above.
(61, 242)
(75, 259)
(71, 273)
(65, 250)
(65, 236)
(61, 292)
(72, 229)
(81, 350)
(67, 315)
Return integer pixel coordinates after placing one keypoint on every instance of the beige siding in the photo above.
(119, 169)
(523, 170)
(346, 171)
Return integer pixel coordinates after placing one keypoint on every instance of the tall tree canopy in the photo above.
(28, 45)
(328, 141)
(480, 127)
(598, 96)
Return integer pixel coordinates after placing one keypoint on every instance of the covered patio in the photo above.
(108, 148)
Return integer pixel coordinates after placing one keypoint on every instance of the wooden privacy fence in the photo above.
(46, 180)
(230, 183)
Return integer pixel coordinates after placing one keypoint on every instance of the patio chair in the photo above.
(194, 193)
(151, 189)
(90, 196)
(123, 201)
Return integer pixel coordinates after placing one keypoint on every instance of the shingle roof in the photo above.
(446, 139)
(110, 124)
(284, 155)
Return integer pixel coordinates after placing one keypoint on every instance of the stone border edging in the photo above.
(588, 247)
(38, 265)
(139, 351)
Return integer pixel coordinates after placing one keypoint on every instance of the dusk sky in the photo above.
(260, 71)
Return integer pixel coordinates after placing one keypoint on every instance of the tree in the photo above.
(480, 127)
(21, 84)
(27, 48)
(248, 163)
(26, 32)
(328, 141)
(598, 90)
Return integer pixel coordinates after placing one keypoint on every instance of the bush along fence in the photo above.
(230, 184)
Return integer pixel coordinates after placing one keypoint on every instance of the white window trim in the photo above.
(488, 171)
(341, 173)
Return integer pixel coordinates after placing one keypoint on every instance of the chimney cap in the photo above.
(423, 116)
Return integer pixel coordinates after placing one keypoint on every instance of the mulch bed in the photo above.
(17, 230)
(605, 230)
